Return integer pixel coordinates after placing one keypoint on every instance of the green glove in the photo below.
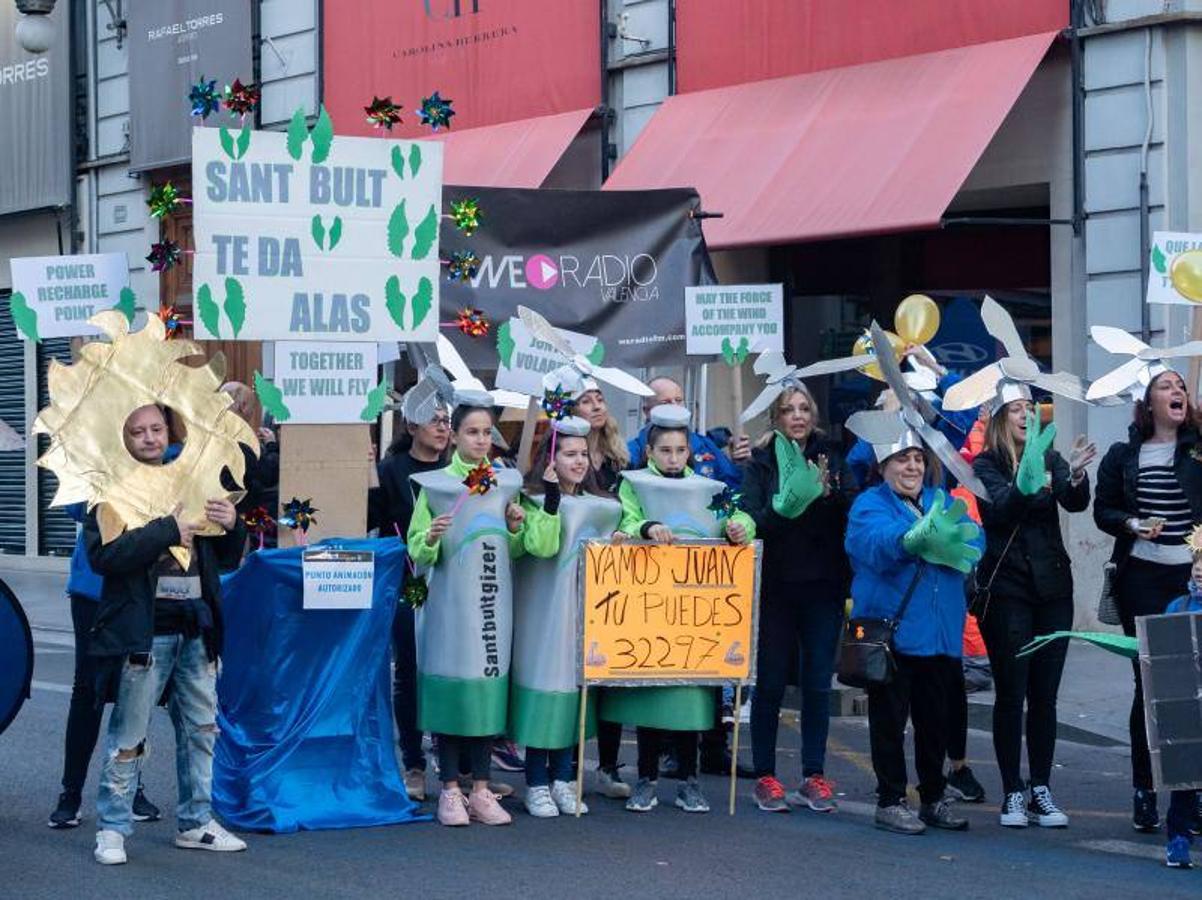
(940, 537)
(1032, 476)
(799, 479)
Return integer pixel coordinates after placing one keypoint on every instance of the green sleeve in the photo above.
(420, 552)
(746, 521)
(540, 536)
(633, 517)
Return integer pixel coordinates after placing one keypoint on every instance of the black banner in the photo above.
(613, 264)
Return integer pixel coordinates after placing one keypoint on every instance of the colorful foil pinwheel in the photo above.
(480, 480)
(435, 112)
(415, 590)
(171, 321)
(558, 405)
(472, 322)
(466, 215)
(164, 200)
(163, 255)
(259, 521)
(463, 265)
(241, 99)
(725, 504)
(204, 98)
(383, 113)
(298, 515)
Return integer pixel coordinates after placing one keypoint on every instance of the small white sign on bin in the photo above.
(338, 579)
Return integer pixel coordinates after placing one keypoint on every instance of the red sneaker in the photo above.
(770, 795)
(816, 792)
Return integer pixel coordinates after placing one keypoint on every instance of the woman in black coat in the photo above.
(1031, 593)
(1149, 495)
(805, 579)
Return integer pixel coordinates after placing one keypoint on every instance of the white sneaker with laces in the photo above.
(110, 848)
(210, 836)
(564, 795)
(540, 804)
(1014, 811)
(611, 785)
(1044, 810)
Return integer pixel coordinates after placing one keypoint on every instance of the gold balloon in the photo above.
(916, 319)
(1186, 275)
(863, 347)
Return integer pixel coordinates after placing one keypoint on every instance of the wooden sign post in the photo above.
(668, 615)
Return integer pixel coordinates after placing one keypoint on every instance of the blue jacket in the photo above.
(933, 624)
(708, 459)
(1187, 603)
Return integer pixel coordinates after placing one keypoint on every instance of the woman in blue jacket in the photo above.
(902, 536)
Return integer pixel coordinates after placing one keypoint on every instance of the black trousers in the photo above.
(84, 714)
(1145, 589)
(1033, 680)
(454, 750)
(609, 740)
(918, 693)
(652, 741)
(957, 719)
(404, 687)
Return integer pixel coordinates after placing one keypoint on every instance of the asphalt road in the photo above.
(609, 853)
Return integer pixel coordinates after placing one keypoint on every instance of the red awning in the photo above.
(513, 154)
(865, 149)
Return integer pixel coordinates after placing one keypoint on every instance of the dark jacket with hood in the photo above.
(1118, 479)
(1036, 568)
(810, 547)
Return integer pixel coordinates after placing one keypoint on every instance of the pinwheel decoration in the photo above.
(466, 215)
(204, 98)
(415, 591)
(435, 112)
(164, 200)
(258, 521)
(472, 322)
(164, 255)
(241, 99)
(463, 266)
(725, 503)
(172, 321)
(480, 480)
(558, 404)
(298, 515)
(383, 113)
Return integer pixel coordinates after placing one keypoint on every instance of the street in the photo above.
(610, 852)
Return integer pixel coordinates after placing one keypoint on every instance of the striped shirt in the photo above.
(1159, 494)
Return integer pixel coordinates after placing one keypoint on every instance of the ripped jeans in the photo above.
(193, 710)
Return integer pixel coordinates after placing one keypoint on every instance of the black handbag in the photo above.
(980, 594)
(866, 651)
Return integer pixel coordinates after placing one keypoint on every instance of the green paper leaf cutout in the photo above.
(394, 300)
(318, 230)
(298, 133)
(376, 398)
(728, 352)
(322, 136)
(415, 158)
(741, 353)
(422, 301)
(127, 305)
(210, 315)
(597, 354)
(425, 234)
(227, 142)
(398, 161)
(1158, 260)
(272, 399)
(336, 232)
(505, 345)
(244, 140)
(235, 304)
(25, 318)
(398, 230)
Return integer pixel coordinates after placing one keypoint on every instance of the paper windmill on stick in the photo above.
(298, 515)
(204, 98)
(462, 265)
(416, 590)
(241, 99)
(1012, 376)
(466, 215)
(383, 113)
(435, 112)
(480, 480)
(164, 200)
(259, 522)
(470, 321)
(558, 405)
(725, 503)
(1133, 376)
(171, 321)
(164, 255)
(580, 365)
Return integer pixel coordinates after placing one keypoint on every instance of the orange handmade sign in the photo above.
(660, 613)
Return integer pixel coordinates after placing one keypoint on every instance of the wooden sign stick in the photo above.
(734, 748)
(737, 393)
(527, 440)
(580, 749)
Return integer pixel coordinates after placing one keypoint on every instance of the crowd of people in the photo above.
(878, 524)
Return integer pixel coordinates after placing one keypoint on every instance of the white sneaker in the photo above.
(564, 795)
(540, 804)
(1014, 811)
(415, 784)
(1044, 810)
(210, 836)
(110, 848)
(611, 785)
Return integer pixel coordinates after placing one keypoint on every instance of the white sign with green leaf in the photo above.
(305, 235)
(1166, 247)
(322, 384)
(54, 296)
(524, 360)
(733, 319)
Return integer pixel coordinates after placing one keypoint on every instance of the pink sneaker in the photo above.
(484, 808)
(452, 808)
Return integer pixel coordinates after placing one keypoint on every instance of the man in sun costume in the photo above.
(160, 536)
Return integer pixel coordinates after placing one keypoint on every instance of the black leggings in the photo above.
(1145, 589)
(957, 719)
(652, 740)
(453, 747)
(84, 714)
(609, 739)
